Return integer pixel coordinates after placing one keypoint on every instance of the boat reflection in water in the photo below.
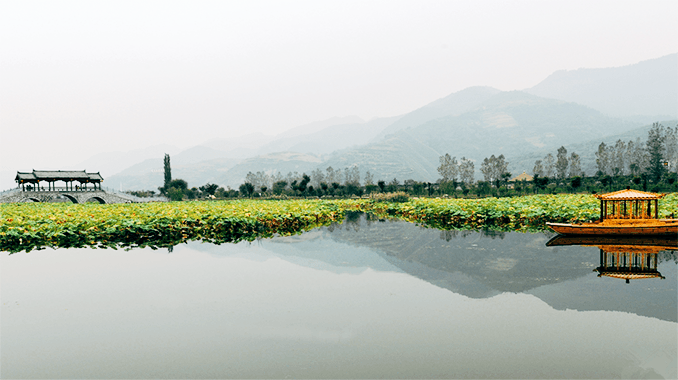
(626, 257)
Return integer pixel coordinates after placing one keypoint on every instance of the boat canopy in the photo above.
(629, 204)
(629, 195)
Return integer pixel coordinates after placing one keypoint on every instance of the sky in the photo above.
(82, 77)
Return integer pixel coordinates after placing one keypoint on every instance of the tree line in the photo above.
(648, 165)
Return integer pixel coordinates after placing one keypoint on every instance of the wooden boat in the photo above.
(624, 212)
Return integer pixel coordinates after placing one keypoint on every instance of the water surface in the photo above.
(367, 299)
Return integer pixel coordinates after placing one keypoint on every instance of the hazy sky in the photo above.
(78, 77)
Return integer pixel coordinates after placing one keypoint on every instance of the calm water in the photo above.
(366, 299)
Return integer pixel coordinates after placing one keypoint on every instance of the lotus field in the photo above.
(27, 226)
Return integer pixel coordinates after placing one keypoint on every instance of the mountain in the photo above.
(330, 138)
(149, 174)
(451, 105)
(510, 123)
(110, 163)
(282, 162)
(254, 144)
(648, 88)
(397, 156)
(564, 109)
(317, 126)
(240, 146)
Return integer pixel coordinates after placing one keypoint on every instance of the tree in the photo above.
(636, 156)
(575, 165)
(209, 188)
(175, 194)
(258, 179)
(575, 183)
(501, 172)
(448, 169)
(179, 184)
(540, 182)
(602, 159)
(246, 189)
(466, 171)
(317, 177)
(176, 189)
(655, 150)
(352, 176)
(538, 170)
(332, 175)
(279, 187)
(493, 169)
(487, 168)
(168, 170)
(561, 163)
(671, 148)
(549, 166)
(618, 157)
(393, 185)
(382, 185)
(304, 183)
(369, 179)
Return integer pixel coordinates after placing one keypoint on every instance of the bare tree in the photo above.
(549, 165)
(538, 169)
(449, 168)
(466, 171)
(575, 165)
(655, 149)
(618, 163)
(671, 148)
(317, 177)
(369, 179)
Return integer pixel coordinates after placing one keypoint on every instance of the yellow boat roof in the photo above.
(629, 195)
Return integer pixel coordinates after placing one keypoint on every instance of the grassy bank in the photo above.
(28, 226)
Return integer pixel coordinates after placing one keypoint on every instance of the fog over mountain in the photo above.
(510, 123)
(474, 123)
(647, 89)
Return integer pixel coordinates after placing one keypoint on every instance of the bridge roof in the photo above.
(58, 175)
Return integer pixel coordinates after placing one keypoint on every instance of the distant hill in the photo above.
(283, 162)
(510, 123)
(149, 174)
(568, 108)
(110, 163)
(648, 88)
(451, 105)
(330, 138)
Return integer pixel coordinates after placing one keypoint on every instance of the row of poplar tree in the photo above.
(655, 157)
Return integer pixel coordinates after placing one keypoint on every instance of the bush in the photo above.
(396, 197)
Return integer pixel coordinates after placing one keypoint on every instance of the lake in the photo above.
(368, 298)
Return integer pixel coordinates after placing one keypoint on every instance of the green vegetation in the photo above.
(27, 226)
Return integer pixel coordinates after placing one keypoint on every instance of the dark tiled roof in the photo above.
(58, 175)
(24, 176)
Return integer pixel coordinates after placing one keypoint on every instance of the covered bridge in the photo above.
(31, 181)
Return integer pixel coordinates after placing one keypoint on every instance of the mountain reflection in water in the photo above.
(351, 300)
(480, 264)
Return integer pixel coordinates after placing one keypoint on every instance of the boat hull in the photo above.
(615, 229)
